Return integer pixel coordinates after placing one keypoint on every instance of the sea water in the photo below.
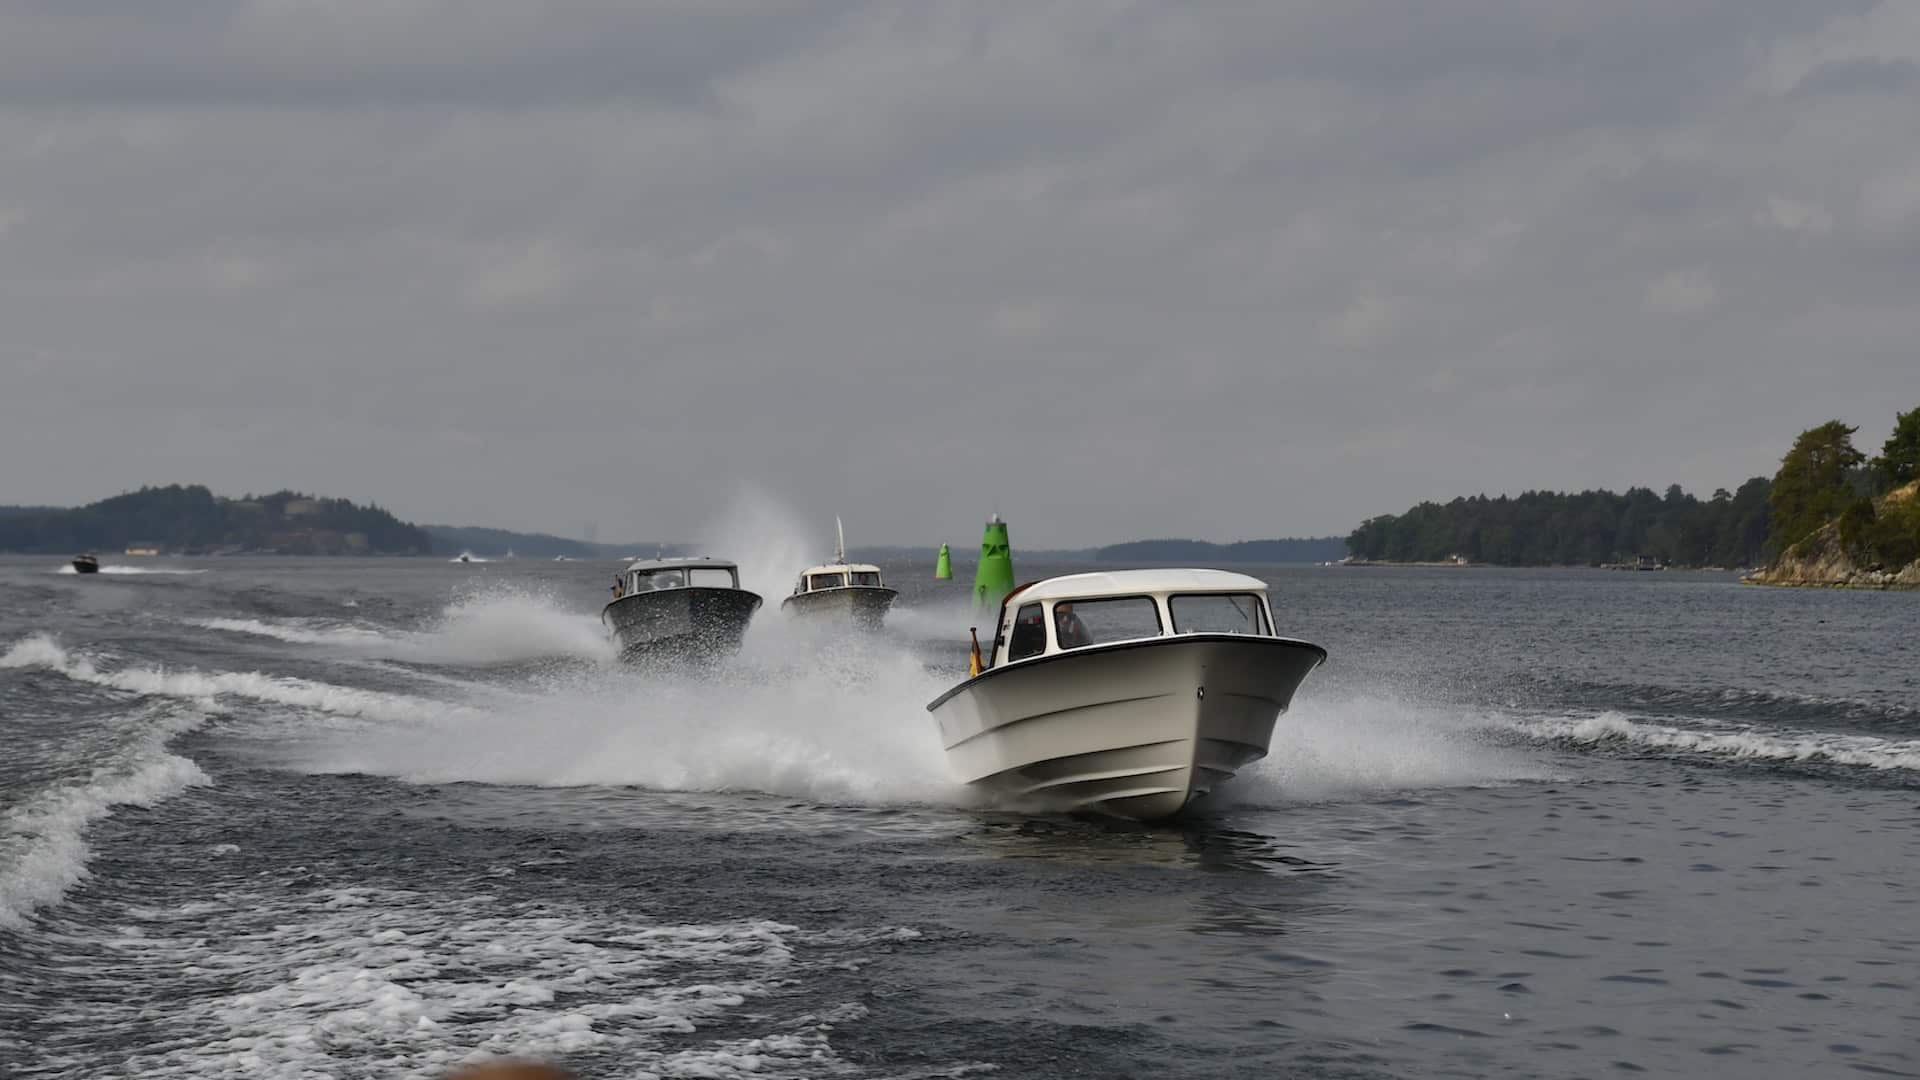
(371, 818)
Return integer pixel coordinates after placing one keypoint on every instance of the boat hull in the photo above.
(1135, 729)
(687, 625)
(863, 606)
(86, 564)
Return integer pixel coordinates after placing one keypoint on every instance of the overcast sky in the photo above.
(1229, 271)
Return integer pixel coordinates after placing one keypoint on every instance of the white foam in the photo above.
(40, 650)
(497, 625)
(296, 632)
(117, 569)
(1371, 744)
(1863, 751)
(847, 726)
(43, 847)
(393, 983)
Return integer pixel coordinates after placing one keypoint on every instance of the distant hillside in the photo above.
(193, 520)
(1314, 549)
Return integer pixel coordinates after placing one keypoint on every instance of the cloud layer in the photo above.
(1120, 270)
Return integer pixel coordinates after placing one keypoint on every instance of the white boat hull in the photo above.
(1134, 729)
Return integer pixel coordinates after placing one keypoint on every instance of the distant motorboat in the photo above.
(86, 564)
(1129, 692)
(841, 591)
(679, 610)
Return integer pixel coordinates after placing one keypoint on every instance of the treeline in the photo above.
(1313, 549)
(191, 519)
(1873, 503)
(1591, 528)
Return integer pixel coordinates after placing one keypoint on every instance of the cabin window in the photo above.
(663, 579)
(866, 577)
(1221, 613)
(825, 581)
(1079, 623)
(1029, 634)
(710, 577)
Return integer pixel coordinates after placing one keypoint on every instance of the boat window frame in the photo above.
(841, 583)
(1262, 614)
(1161, 619)
(876, 583)
(1046, 631)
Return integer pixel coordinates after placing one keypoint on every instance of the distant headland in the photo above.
(1830, 517)
(191, 520)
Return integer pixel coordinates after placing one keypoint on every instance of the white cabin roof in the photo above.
(842, 568)
(1135, 583)
(681, 562)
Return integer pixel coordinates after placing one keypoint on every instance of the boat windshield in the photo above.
(1217, 613)
(866, 577)
(1077, 624)
(825, 581)
(659, 579)
(710, 577)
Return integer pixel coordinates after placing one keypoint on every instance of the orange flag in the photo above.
(974, 666)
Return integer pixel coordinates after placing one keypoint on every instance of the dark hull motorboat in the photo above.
(863, 606)
(684, 625)
(86, 564)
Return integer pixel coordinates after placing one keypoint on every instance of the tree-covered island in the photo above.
(1829, 513)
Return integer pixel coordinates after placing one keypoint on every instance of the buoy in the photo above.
(993, 579)
(943, 569)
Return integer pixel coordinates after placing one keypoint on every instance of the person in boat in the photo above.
(1067, 627)
(616, 586)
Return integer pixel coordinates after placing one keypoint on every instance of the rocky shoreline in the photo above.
(1821, 562)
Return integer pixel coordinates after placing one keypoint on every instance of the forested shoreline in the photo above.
(1823, 480)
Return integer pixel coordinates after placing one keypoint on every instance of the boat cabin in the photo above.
(838, 576)
(1073, 612)
(653, 575)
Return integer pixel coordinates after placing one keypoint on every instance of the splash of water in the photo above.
(499, 624)
(842, 726)
(1369, 744)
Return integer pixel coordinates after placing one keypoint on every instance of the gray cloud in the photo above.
(1129, 270)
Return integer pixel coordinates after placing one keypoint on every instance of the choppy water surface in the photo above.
(330, 818)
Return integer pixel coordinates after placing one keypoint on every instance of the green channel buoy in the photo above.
(993, 579)
(943, 568)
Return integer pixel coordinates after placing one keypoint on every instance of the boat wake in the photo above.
(498, 625)
(832, 728)
(212, 689)
(43, 847)
(1367, 745)
(1726, 741)
(117, 569)
(404, 983)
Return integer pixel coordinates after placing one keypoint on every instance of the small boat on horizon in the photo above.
(1130, 692)
(841, 591)
(86, 564)
(679, 610)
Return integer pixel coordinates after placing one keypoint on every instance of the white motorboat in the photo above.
(1129, 692)
(841, 591)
